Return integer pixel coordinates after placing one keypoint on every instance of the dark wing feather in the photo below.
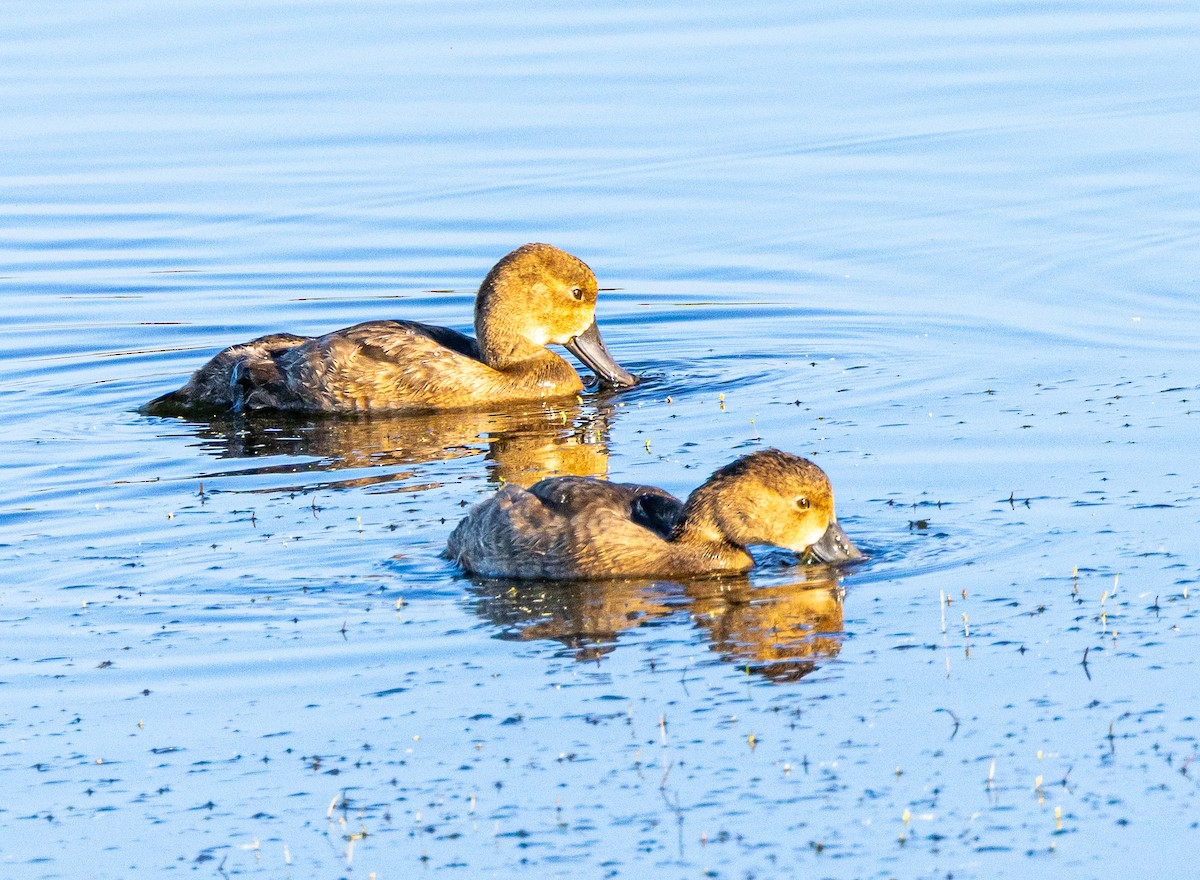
(647, 506)
(386, 340)
(452, 339)
(658, 512)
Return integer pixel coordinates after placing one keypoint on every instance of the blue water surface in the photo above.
(947, 251)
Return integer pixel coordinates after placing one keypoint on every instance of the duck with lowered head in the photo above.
(535, 296)
(577, 528)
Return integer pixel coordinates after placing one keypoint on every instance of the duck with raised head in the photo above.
(535, 296)
(578, 528)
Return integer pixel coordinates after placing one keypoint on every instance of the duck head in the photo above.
(773, 497)
(536, 296)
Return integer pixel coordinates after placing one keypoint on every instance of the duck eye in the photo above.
(576, 293)
(802, 503)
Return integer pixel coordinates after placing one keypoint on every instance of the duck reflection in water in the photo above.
(520, 446)
(780, 632)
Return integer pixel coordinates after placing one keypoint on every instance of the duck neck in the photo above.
(528, 368)
(500, 348)
(699, 532)
(537, 373)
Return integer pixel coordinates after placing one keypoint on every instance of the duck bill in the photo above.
(835, 547)
(590, 349)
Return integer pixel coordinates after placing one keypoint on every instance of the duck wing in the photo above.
(373, 365)
(384, 365)
(647, 506)
(385, 336)
(564, 527)
(657, 511)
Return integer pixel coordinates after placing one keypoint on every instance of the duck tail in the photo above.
(173, 404)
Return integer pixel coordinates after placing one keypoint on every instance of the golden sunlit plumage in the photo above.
(535, 296)
(570, 528)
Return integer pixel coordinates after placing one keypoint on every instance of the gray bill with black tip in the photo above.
(835, 547)
(591, 351)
